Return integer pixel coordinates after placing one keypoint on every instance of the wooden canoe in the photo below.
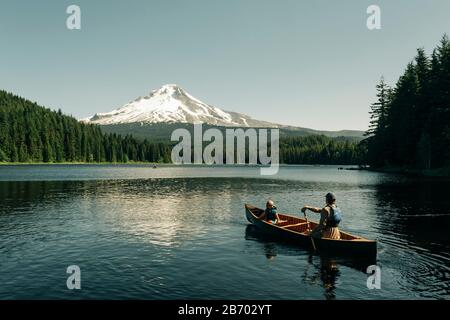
(294, 229)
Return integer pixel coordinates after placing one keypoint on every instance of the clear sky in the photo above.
(305, 63)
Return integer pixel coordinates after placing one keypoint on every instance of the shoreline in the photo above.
(432, 173)
(79, 163)
(443, 172)
(340, 166)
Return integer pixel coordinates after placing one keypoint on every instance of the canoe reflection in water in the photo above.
(327, 272)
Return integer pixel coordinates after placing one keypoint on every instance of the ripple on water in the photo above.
(159, 234)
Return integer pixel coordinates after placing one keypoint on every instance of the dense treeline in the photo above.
(319, 149)
(30, 133)
(410, 124)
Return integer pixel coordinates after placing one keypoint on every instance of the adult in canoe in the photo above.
(270, 214)
(330, 217)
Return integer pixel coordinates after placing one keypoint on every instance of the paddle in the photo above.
(309, 229)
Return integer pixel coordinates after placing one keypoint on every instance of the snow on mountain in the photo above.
(171, 104)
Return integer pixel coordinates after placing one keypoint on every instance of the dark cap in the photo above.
(330, 196)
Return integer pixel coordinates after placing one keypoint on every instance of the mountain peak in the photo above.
(172, 104)
(169, 86)
(168, 89)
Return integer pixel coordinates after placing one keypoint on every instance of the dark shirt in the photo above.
(271, 213)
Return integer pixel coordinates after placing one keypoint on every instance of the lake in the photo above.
(180, 233)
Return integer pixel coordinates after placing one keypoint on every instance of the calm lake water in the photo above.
(180, 233)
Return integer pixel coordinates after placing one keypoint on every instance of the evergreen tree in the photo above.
(30, 133)
(379, 110)
(414, 129)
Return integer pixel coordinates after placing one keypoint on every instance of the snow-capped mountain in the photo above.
(171, 104)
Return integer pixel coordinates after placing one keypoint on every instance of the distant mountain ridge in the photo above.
(171, 104)
(162, 131)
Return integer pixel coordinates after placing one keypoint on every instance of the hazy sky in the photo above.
(305, 63)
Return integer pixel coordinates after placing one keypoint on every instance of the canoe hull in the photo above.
(349, 246)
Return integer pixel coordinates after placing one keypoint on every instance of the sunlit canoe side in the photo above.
(294, 229)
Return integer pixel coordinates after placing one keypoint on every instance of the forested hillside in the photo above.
(319, 149)
(31, 133)
(410, 124)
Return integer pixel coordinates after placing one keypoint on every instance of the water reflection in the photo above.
(413, 221)
(326, 272)
(183, 231)
(329, 274)
(161, 212)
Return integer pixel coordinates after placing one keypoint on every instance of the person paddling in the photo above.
(330, 217)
